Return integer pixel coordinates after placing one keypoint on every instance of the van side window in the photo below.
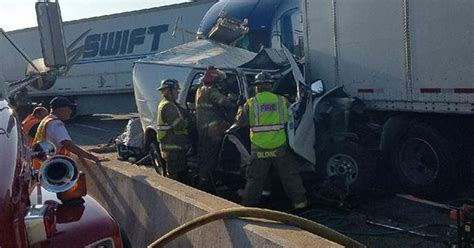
(230, 85)
(288, 31)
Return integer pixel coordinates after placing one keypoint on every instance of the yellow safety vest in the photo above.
(26, 126)
(41, 135)
(268, 114)
(163, 128)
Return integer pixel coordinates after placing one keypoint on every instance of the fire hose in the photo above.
(258, 213)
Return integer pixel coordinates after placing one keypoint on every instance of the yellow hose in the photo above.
(232, 213)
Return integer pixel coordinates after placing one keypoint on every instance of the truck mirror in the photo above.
(317, 87)
(51, 33)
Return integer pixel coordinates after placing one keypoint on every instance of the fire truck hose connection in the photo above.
(262, 214)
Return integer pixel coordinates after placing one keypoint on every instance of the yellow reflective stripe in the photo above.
(171, 147)
(41, 131)
(210, 124)
(204, 105)
(175, 122)
(163, 128)
(256, 110)
(268, 128)
(179, 111)
(280, 109)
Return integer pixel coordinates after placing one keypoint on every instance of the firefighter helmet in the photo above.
(263, 77)
(169, 84)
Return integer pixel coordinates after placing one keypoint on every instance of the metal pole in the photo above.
(425, 235)
(19, 50)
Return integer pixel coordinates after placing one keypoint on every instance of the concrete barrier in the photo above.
(147, 206)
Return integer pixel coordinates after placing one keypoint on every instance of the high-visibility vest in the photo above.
(268, 114)
(163, 129)
(27, 124)
(41, 136)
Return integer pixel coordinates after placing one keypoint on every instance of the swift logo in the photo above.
(122, 42)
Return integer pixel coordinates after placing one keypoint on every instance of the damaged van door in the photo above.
(339, 157)
(301, 124)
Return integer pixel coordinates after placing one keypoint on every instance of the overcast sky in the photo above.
(17, 14)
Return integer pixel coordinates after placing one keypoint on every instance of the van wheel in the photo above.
(424, 161)
(349, 162)
(156, 160)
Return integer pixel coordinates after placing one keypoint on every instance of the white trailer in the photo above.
(101, 80)
(412, 65)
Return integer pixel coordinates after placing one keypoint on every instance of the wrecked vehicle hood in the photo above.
(201, 54)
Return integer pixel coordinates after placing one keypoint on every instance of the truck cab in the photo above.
(39, 219)
(271, 24)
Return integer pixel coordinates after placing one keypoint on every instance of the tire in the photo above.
(424, 162)
(349, 161)
(156, 160)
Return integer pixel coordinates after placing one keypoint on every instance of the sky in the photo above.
(18, 14)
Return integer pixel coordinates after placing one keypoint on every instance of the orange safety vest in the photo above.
(41, 135)
(26, 126)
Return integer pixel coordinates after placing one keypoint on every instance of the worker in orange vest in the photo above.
(53, 130)
(31, 122)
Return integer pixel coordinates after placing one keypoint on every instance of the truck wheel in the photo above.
(424, 161)
(350, 161)
(156, 160)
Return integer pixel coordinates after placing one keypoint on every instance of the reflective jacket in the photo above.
(267, 115)
(172, 126)
(213, 110)
(28, 125)
(41, 136)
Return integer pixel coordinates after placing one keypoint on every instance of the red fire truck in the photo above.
(48, 207)
(41, 219)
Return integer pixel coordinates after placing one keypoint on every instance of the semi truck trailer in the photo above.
(412, 65)
(101, 81)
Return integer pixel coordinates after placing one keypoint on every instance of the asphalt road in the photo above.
(379, 205)
(91, 131)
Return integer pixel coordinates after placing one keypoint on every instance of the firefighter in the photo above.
(31, 122)
(212, 107)
(172, 131)
(52, 129)
(266, 115)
